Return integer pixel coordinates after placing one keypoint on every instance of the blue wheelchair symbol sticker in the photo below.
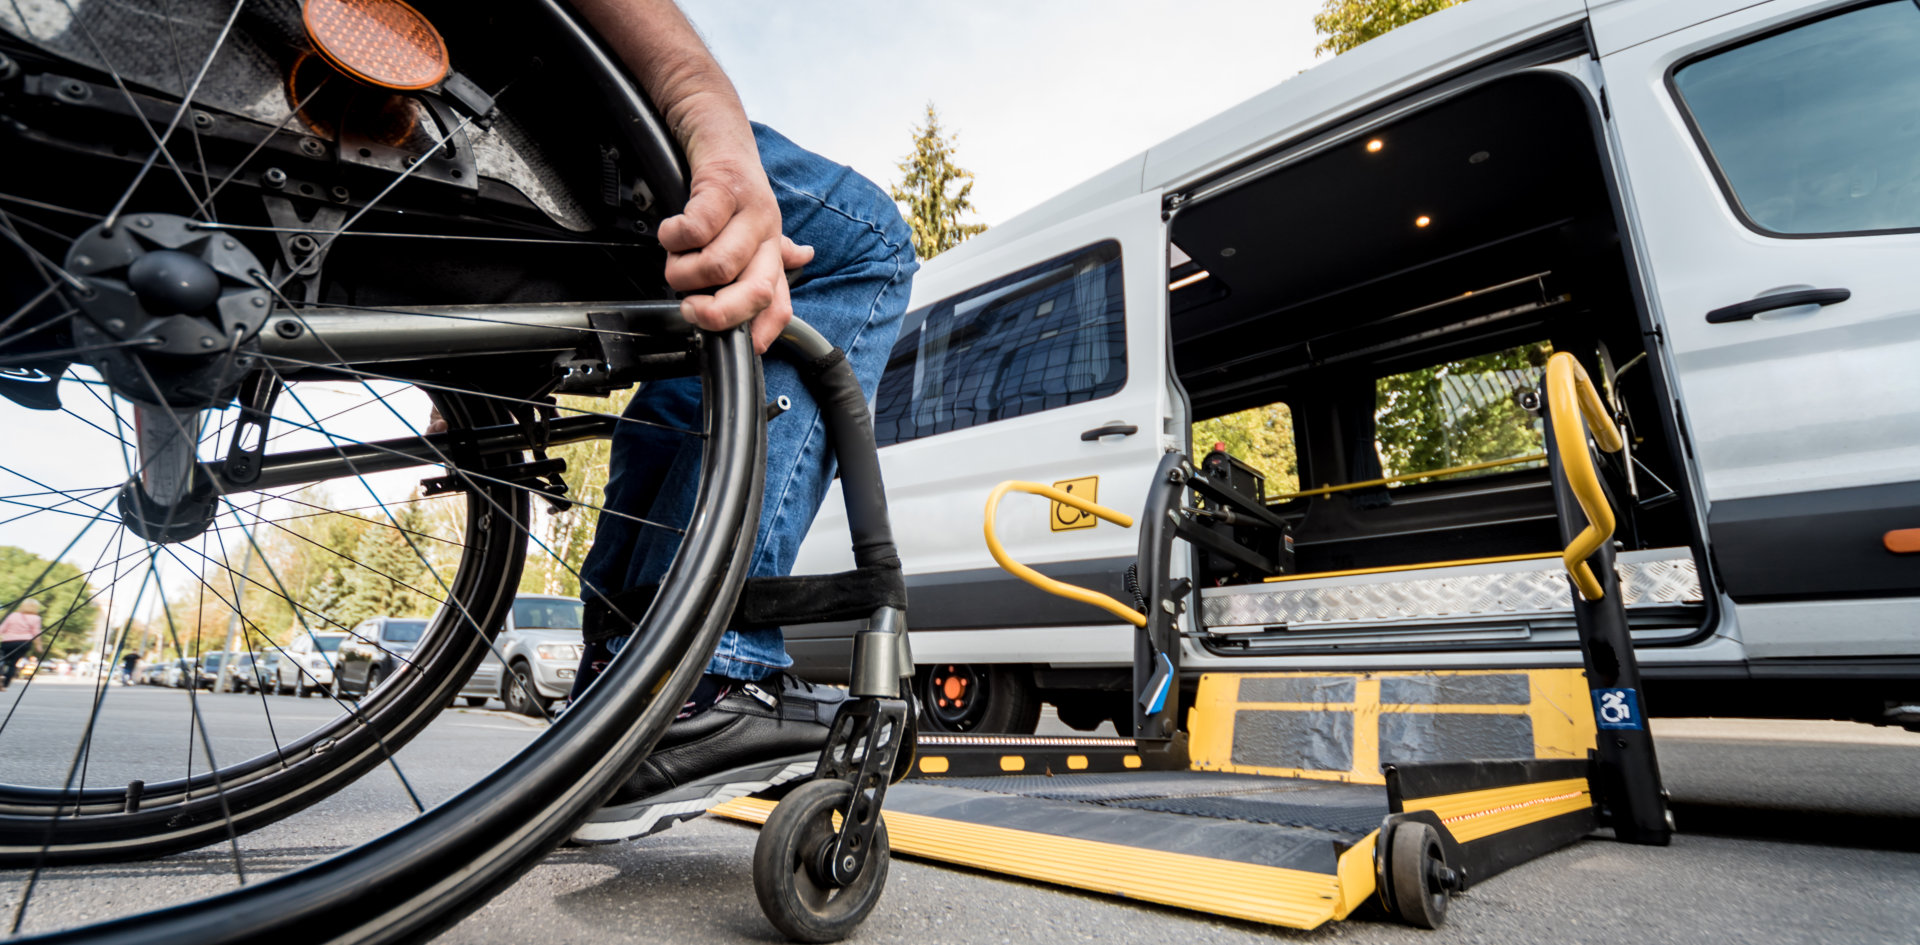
(1616, 709)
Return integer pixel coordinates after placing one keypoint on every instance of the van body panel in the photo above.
(955, 268)
(1354, 81)
(937, 485)
(1619, 24)
(1874, 628)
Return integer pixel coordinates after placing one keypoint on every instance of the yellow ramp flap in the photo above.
(1344, 726)
(1333, 880)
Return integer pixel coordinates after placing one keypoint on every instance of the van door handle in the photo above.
(1741, 311)
(1111, 429)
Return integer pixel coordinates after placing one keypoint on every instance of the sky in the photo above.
(1043, 93)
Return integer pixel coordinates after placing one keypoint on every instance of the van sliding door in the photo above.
(1771, 154)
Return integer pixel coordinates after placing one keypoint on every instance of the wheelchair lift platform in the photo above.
(1284, 802)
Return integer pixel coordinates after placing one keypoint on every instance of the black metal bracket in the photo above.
(867, 735)
(1156, 649)
(257, 394)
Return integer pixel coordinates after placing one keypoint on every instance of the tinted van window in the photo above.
(1816, 130)
(1044, 337)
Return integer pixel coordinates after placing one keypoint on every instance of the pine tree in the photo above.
(931, 204)
(1348, 23)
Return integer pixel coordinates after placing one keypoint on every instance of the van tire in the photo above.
(517, 690)
(970, 698)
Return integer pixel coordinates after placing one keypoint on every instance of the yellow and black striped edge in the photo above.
(1299, 899)
(1473, 815)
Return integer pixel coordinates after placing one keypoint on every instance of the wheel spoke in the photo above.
(186, 104)
(140, 115)
(470, 622)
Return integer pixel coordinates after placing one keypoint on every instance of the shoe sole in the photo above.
(649, 816)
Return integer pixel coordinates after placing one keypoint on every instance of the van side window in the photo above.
(1461, 413)
(1815, 130)
(1044, 337)
(1261, 437)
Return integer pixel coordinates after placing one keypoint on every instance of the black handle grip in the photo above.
(1111, 429)
(1741, 311)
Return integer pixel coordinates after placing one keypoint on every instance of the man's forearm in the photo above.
(695, 97)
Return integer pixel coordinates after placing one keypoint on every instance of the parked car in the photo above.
(175, 673)
(265, 673)
(247, 674)
(307, 665)
(207, 672)
(374, 651)
(541, 645)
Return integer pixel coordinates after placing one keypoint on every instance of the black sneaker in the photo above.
(759, 736)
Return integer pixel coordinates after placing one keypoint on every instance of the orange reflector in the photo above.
(1903, 541)
(380, 42)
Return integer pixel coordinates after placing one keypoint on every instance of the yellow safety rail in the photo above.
(1577, 410)
(1041, 581)
(1406, 477)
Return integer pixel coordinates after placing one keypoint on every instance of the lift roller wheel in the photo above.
(790, 878)
(1422, 884)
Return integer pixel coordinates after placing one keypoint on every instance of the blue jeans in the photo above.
(854, 292)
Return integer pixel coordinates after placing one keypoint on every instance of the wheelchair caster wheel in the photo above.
(788, 875)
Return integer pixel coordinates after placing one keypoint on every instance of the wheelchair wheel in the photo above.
(789, 874)
(186, 191)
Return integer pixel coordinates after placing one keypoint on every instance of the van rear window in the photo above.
(1044, 337)
(1461, 413)
(1814, 130)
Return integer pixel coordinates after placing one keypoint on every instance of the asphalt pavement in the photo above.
(1790, 832)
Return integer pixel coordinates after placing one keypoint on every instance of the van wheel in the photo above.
(970, 697)
(516, 690)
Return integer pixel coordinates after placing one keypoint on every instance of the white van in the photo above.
(1713, 204)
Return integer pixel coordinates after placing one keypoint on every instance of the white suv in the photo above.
(307, 666)
(541, 646)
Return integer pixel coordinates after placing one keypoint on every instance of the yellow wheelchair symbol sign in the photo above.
(1066, 517)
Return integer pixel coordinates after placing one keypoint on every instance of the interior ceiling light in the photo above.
(1375, 145)
(1179, 284)
(384, 43)
(1422, 221)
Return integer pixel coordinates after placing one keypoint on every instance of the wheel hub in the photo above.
(167, 305)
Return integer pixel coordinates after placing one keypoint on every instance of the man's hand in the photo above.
(728, 241)
(726, 245)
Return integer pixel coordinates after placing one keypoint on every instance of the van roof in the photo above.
(1400, 61)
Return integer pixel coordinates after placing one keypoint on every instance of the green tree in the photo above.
(1459, 413)
(389, 575)
(1261, 437)
(67, 598)
(935, 192)
(1344, 24)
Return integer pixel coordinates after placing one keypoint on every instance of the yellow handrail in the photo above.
(1041, 581)
(1406, 477)
(1576, 410)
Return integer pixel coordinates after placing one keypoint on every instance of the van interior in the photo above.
(1382, 308)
